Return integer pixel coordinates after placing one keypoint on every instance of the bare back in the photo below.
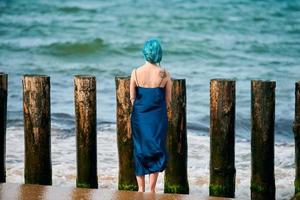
(150, 76)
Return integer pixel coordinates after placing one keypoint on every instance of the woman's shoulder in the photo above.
(134, 69)
(164, 73)
(138, 68)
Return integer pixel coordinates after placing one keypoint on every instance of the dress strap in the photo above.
(164, 75)
(136, 78)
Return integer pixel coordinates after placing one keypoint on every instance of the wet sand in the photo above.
(11, 191)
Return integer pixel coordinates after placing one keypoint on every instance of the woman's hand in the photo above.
(132, 101)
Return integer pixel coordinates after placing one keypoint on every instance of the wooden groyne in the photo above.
(86, 130)
(296, 129)
(127, 180)
(3, 115)
(222, 136)
(37, 129)
(262, 139)
(176, 177)
(37, 134)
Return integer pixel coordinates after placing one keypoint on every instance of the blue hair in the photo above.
(152, 51)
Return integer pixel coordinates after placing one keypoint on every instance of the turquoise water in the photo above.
(236, 39)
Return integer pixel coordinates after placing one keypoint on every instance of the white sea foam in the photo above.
(64, 163)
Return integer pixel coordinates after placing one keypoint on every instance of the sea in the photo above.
(242, 40)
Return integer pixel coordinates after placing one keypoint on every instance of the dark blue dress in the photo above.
(149, 125)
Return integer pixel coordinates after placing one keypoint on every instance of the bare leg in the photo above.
(153, 179)
(141, 183)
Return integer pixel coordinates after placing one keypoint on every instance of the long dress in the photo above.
(149, 124)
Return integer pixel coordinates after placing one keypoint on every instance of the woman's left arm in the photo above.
(132, 87)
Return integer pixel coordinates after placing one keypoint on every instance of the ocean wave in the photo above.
(62, 116)
(74, 9)
(202, 128)
(65, 123)
(74, 47)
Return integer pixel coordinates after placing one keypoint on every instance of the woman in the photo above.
(150, 95)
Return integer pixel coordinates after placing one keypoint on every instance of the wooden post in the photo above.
(262, 139)
(127, 179)
(36, 109)
(222, 137)
(296, 129)
(86, 131)
(176, 180)
(3, 115)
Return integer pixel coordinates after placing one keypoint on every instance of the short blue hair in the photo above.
(152, 51)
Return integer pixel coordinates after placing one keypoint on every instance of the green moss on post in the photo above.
(297, 185)
(296, 197)
(86, 131)
(258, 188)
(127, 179)
(83, 185)
(296, 129)
(222, 134)
(129, 187)
(36, 110)
(217, 190)
(176, 172)
(3, 116)
(180, 189)
(262, 139)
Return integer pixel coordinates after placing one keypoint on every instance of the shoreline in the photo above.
(35, 192)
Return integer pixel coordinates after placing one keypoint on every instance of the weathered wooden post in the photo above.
(222, 138)
(262, 139)
(3, 115)
(175, 180)
(36, 109)
(296, 129)
(127, 179)
(86, 131)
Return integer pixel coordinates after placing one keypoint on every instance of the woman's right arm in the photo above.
(168, 89)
